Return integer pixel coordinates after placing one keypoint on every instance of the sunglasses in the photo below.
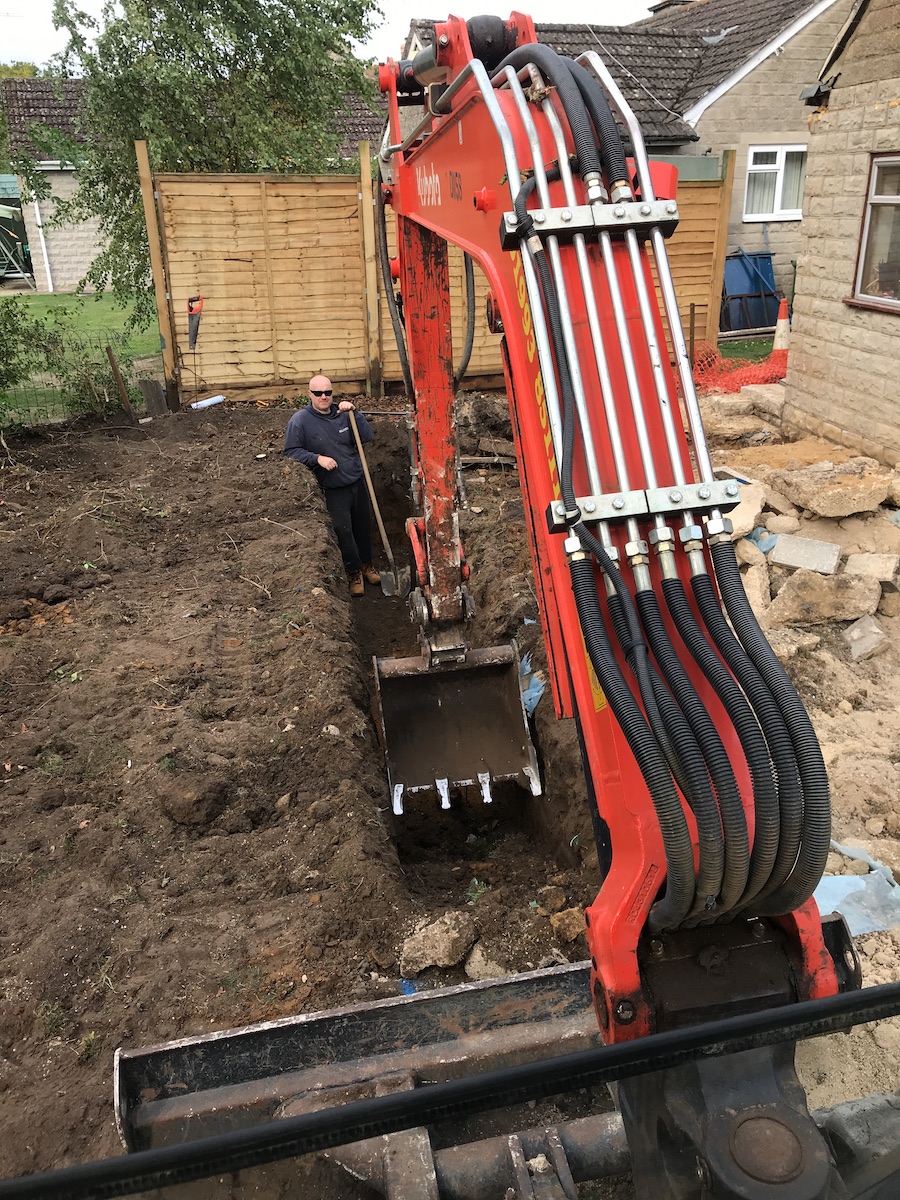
(313, 392)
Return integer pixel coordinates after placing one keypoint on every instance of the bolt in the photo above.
(560, 510)
(539, 218)
(704, 493)
(657, 948)
(618, 503)
(646, 210)
(619, 211)
(566, 214)
(590, 506)
(625, 1012)
(731, 489)
(443, 41)
(676, 496)
(671, 209)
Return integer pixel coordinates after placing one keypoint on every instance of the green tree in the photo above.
(227, 85)
(18, 70)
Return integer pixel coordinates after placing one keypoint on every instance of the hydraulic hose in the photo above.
(388, 285)
(554, 68)
(816, 834)
(611, 149)
(460, 371)
(671, 910)
(771, 722)
(765, 796)
(714, 754)
(687, 767)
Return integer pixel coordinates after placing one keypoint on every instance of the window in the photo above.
(878, 273)
(775, 178)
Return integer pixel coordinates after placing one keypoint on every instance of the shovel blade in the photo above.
(456, 725)
(396, 583)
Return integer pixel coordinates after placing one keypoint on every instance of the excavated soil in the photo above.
(194, 827)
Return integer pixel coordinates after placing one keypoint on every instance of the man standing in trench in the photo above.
(320, 437)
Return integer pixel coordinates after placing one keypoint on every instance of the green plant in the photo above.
(52, 1016)
(168, 763)
(89, 1046)
(51, 763)
(476, 890)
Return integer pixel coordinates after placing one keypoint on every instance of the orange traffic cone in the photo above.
(778, 357)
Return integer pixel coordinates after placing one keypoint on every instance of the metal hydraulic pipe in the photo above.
(642, 163)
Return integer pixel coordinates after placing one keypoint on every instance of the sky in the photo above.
(27, 33)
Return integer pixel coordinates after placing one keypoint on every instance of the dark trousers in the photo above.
(349, 510)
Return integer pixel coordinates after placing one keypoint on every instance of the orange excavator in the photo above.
(708, 956)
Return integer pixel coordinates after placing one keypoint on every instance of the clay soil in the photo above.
(195, 830)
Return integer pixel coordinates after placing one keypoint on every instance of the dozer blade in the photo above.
(218, 1082)
(455, 725)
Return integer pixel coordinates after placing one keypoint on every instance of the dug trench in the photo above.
(195, 831)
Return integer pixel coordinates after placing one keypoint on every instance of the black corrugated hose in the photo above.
(388, 285)
(553, 66)
(671, 910)
(460, 371)
(816, 835)
(689, 771)
(771, 722)
(611, 148)
(714, 754)
(765, 795)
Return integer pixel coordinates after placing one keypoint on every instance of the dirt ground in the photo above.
(194, 827)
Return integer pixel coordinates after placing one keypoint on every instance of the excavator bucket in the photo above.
(457, 725)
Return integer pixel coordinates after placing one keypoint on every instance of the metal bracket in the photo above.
(720, 494)
(642, 216)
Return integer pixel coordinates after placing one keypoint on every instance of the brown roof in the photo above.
(727, 32)
(667, 62)
(52, 102)
(357, 122)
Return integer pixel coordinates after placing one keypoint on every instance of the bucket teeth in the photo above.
(484, 782)
(397, 800)
(443, 787)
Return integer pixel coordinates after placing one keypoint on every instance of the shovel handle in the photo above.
(365, 467)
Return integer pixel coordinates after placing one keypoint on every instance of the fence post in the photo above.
(374, 370)
(160, 287)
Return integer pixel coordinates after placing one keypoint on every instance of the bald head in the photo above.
(320, 384)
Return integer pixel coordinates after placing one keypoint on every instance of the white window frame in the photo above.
(779, 214)
(873, 201)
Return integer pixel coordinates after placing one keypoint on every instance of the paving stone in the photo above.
(865, 638)
(806, 554)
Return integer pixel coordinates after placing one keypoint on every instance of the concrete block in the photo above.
(807, 554)
(883, 567)
(811, 599)
(745, 517)
(829, 490)
(865, 638)
(776, 523)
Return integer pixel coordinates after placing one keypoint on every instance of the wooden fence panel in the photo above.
(281, 264)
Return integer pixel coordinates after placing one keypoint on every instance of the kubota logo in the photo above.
(428, 185)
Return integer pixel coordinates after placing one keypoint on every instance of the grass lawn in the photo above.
(749, 349)
(94, 316)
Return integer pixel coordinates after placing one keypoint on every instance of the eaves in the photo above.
(696, 111)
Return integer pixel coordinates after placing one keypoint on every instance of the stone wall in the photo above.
(844, 361)
(765, 109)
(70, 249)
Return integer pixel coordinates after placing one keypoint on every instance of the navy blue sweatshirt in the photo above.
(311, 433)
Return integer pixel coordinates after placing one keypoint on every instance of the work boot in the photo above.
(370, 574)
(357, 587)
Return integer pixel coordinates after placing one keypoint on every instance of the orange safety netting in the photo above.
(713, 373)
